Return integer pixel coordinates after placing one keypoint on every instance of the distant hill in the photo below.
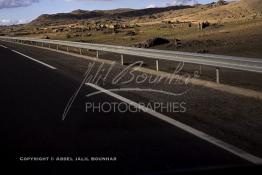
(100, 14)
(220, 12)
(216, 12)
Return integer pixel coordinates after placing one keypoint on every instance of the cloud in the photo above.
(8, 22)
(16, 3)
(86, 0)
(182, 2)
(151, 6)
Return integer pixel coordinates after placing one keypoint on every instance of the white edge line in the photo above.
(230, 148)
(47, 65)
(3, 46)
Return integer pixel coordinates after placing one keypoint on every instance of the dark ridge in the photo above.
(103, 14)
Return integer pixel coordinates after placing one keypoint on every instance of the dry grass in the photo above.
(235, 30)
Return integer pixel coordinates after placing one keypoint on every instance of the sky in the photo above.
(23, 11)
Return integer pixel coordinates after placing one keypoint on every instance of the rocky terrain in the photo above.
(232, 28)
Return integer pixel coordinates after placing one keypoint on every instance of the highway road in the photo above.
(34, 94)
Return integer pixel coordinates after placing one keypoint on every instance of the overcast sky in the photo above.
(22, 11)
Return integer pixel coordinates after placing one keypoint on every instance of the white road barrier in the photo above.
(217, 61)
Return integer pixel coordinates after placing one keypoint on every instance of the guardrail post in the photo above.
(67, 49)
(122, 59)
(57, 47)
(157, 65)
(97, 54)
(218, 75)
(200, 69)
(80, 50)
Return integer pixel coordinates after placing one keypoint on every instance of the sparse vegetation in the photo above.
(68, 36)
(227, 27)
(152, 42)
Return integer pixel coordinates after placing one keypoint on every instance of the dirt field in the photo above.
(234, 29)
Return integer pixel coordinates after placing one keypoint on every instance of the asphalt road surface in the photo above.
(33, 99)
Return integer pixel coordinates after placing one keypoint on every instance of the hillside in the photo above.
(254, 4)
(215, 13)
(231, 12)
(115, 15)
(231, 28)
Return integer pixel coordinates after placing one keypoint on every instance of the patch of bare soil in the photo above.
(255, 4)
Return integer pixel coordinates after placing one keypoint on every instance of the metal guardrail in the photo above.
(217, 61)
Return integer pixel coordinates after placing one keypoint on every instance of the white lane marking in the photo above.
(3, 46)
(221, 144)
(47, 65)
